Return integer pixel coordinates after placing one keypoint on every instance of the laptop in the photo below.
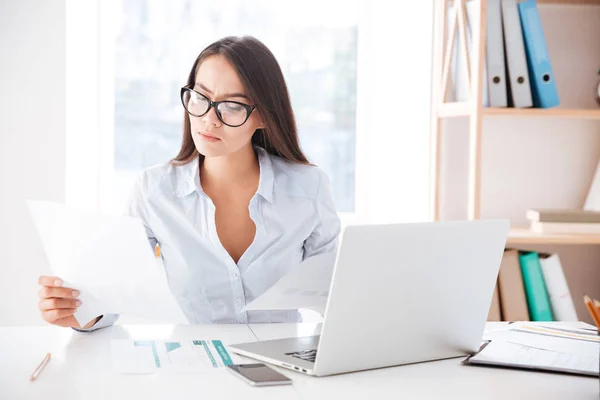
(400, 294)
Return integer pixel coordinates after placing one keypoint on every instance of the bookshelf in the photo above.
(477, 113)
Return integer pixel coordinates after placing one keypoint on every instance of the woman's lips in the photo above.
(208, 137)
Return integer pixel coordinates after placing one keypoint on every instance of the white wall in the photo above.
(530, 163)
(32, 143)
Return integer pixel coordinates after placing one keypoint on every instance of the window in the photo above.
(359, 74)
(157, 42)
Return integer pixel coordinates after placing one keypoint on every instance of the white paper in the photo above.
(305, 286)
(107, 258)
(568, 341)
(171, 356)
(512, 354)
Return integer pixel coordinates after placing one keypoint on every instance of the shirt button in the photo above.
(235, 275)
(238, 301)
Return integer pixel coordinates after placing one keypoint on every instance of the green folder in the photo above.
(538, 302)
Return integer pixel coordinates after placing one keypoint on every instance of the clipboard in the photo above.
(497, 353)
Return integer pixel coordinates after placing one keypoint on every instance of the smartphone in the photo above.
(259, 375)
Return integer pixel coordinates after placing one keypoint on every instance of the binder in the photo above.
(510, 288)
(460, 83)
(543, 85)
(496, 73)
(495, 314)
(561, 301)
(515, 56)
(535, 287)
(472, 13)
(454, 68)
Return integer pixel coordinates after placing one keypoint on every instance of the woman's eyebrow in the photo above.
(201, 86)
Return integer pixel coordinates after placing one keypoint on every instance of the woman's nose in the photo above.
(211, 118)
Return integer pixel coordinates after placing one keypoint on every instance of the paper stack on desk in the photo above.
(542, 346)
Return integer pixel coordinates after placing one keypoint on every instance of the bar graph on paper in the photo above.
(151, 356)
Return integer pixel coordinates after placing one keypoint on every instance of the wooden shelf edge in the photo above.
(526, 236)
(570, 2)
(544, 112)
(450, 110)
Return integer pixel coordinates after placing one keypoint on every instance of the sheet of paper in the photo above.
(107, 258)
(498, 352)
(305, 286)
(558, 331)
(176, 356)
(577, 342)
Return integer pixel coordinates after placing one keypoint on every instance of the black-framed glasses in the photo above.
(231, 113)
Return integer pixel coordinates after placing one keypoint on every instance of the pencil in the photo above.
(597, 304)
(40, 367)
(591, 308)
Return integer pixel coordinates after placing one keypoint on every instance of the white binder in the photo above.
(561, 301)
(454, 68)
(515, 55)
(496, 72)
(472, 16)
(460, 83)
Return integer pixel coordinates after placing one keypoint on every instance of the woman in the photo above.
(239, 205)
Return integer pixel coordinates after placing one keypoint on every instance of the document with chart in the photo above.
(177, 356)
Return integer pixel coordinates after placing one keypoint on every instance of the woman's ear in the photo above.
(259, 122)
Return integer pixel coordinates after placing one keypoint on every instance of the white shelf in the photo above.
(526, 236)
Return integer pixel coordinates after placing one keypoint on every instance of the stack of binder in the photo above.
(518, 71)
(531, 286)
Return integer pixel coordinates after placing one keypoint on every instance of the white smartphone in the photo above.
(259, 375)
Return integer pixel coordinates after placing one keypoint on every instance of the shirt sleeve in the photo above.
(325, 236)
(103, 322)
(138, 207)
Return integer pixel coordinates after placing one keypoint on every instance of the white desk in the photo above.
(80, 369)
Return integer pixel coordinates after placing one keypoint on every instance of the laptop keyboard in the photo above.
(306, 355)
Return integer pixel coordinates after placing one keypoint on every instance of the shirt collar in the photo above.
(189, 177)
(266, 181)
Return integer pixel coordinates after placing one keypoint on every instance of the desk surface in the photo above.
(80, 369)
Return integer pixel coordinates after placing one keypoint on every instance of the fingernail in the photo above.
(76, 293)
(58, 283)
(77, 303)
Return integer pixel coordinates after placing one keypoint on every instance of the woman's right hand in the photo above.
(58, 304)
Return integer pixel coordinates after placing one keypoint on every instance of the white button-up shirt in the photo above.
(295, 218)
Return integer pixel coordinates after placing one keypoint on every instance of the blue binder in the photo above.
(543, 85)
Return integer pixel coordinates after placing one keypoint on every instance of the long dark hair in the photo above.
(261, 75)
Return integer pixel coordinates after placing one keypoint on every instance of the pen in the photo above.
(592, 309)
(40, 367)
